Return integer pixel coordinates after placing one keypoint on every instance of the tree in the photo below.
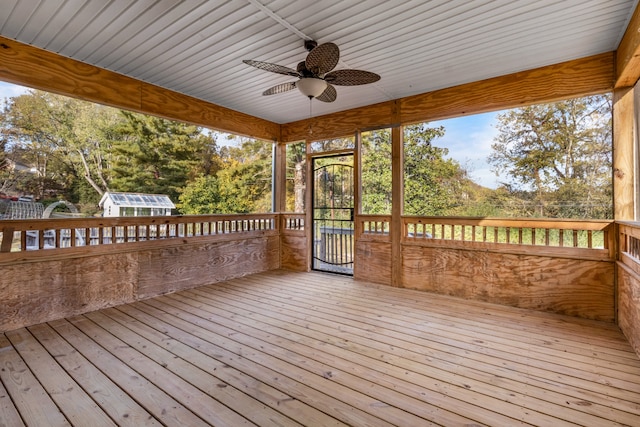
(155, 155)
(241, 185)
(62, 137)
(201, 196)
(433, 185)
(376, 172)
(296, 177)
(561, 154)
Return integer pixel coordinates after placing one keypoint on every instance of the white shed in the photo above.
(135, 204)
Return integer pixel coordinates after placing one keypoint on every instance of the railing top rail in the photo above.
(634, 224)
(35, 224)
(375, 217)
(559, 223)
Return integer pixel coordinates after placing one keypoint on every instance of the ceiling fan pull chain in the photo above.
(310, 116)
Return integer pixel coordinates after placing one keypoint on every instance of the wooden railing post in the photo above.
(7, 239)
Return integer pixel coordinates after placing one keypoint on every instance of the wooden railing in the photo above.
(581, 238)
(558, 237)
(50, 234)
(373, 227)
(629, 245)
(591, 239)
(293, 221)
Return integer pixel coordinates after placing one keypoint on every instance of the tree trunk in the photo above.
(87, 174)
(299, 187)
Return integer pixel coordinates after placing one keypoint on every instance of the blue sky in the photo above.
(469, 142)
(467, 138)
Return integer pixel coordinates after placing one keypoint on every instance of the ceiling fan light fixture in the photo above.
(311, 87)
(316, 78)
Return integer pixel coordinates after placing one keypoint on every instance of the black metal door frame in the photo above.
(333, 214)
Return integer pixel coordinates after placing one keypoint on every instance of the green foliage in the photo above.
(155, 155)
(376, 172)
(61, 137)
(201, 196)
(80, 150)
(241, 185)
(558, 158)
(434, 185)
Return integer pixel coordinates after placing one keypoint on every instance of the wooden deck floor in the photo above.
(283, 348)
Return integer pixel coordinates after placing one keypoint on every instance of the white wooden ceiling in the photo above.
(196, 47)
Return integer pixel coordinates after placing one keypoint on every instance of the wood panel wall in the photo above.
(294, 251)
(628, 295)
(574, 287)
(37, 292)
(373, 262)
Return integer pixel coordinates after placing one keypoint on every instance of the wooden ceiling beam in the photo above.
(628, 54)
(33, 67)
(580, 77)
(39, 69)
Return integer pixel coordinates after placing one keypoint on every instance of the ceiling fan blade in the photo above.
(351, 77)
(322, 58)
(283, 87)
(274, 68)
(329, 94)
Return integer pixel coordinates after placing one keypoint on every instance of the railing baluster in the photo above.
(35, 235)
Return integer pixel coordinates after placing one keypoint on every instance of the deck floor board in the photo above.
(290, 349)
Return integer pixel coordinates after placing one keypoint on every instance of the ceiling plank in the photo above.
(580, 77)
(628, 54)
(39, 69)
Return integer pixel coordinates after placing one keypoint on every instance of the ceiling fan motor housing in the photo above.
(310, 44)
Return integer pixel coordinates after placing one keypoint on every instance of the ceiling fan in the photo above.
(316, 79)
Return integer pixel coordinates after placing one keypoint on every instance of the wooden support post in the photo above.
(397, 200)
(308, 205)
(280, 178)
(623, 154)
